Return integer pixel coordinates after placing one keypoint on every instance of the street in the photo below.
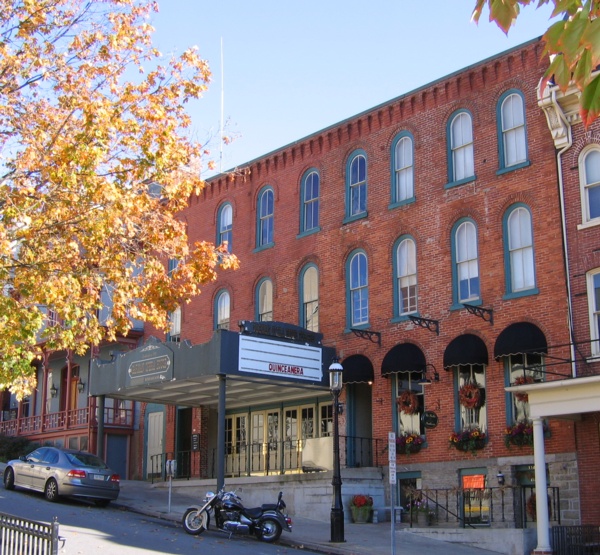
(89, 529)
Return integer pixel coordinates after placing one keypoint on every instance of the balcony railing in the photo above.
(275, 457)
(64, 420)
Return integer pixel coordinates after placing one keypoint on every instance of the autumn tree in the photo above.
(95, 164)
(573, 44)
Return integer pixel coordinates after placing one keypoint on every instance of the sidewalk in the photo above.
(361, 539)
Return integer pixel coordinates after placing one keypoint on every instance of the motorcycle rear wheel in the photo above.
(270, 530)
(195, 521)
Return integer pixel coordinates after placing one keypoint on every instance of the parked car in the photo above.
(64, 472)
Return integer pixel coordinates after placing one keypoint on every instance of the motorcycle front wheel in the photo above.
(195, 521)
(269, 530)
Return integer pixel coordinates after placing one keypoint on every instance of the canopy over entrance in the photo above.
(256, 368)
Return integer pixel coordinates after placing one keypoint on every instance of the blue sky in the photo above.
(292, 68)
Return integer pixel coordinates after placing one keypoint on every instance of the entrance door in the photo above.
(154, 441)
(116, 454)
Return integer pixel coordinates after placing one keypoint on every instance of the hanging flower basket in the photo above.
(522, 380)
(470, 396)
(408, 402)
(407, 444)
(468, 440)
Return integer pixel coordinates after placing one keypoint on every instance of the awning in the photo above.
(405, 357)
(519, 338)
(357, 369)
(465, 349)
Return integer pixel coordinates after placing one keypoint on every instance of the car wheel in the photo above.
(51, 490)
(101, 502)
(9, 478)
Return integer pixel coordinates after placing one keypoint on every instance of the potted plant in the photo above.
(361, 507)
(471, 439)
(408, 443)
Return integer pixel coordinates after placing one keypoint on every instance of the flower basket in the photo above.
(468, 440)
(408, 402)
(521, 434)
(408, 443)
(361, 507)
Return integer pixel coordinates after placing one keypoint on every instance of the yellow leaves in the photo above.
(85, 144)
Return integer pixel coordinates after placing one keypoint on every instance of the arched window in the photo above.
(466, 263)
(520, 269)
(512, 131)
(310, 202)
(222, 311)
(356, 186)
(309, 309)
(406, 277)
(460, 139)
(589, 171)
(225, 226)
(264, 299)
(403, 169)
(358, 289)
(265, 221)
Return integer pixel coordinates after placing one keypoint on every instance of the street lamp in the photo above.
(337, 509)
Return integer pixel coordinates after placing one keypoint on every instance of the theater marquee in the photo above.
(273, 358)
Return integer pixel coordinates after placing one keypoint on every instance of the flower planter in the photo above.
(471, 445)
(361, 515)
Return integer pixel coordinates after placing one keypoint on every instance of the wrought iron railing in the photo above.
(478, 507)
(575, 540)
(273, 457)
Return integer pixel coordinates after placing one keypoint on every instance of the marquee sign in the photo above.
(272, 358)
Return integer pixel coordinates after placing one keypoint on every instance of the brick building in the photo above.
(421, 238)
(421, 243)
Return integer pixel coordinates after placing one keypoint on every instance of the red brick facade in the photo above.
(430, 219)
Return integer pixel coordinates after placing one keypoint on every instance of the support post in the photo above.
(337, 509)
(541, 490)
(221, 433)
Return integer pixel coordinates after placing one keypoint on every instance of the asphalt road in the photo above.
(89, 530)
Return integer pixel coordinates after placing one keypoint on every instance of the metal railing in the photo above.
(478, 507)
(20, 536)
(575, 540)
(272, 457)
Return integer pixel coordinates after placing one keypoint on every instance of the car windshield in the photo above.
(85, 459)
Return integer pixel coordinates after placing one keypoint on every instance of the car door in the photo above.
(40, 468)
(24, 469)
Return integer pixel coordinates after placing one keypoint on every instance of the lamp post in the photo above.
(337, 509)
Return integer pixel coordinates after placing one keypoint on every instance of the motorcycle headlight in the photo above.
(209, 495)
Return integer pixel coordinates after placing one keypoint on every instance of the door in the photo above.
(154, 441)
(116, 454)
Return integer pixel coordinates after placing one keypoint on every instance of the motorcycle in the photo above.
(265, 522)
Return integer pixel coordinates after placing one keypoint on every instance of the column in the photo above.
(541, 489)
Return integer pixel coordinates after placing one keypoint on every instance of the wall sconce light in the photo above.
(53, 391)
(80, 385)
(500, 477)
(425, 380)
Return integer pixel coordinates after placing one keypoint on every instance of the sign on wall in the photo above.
(278, 359)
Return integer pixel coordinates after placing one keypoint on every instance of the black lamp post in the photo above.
(337, 508)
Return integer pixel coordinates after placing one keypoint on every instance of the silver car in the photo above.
(64, 472)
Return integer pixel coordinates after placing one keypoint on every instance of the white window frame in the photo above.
(461, 146)
(513, 130)
(593, 295)
(586, 185)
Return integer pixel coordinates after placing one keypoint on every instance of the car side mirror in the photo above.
(23, 458)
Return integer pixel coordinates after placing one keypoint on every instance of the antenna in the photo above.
(222, 103)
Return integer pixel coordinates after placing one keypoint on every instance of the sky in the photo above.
(285, 69)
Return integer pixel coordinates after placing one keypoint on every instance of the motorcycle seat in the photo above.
(269, 507)
(255, 512)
